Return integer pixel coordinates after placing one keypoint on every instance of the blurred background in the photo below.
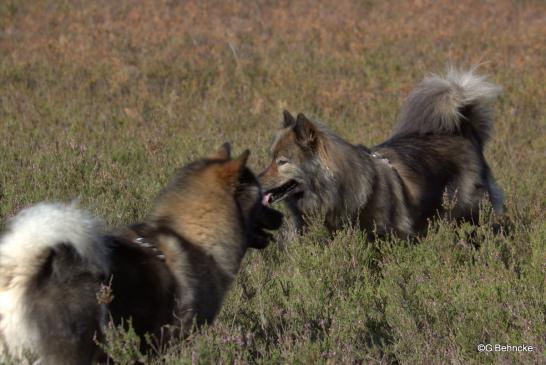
(101, 101)
(145, 85)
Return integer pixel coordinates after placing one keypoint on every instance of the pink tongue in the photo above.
(266, 198)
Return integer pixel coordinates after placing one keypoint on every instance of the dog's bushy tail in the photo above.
(458, 103)
(52, 259)
(48, 228)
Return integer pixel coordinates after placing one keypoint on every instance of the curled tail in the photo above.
(52, 260)
(457, 103)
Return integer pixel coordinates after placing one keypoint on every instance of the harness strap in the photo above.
(142, 242)
(383, 159)
(138, 235)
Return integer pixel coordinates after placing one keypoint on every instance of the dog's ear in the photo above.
(231, 171)
(243, 158)
(306, 131)
(223, 153)
(288, 119)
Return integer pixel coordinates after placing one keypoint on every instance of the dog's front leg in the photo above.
(297, 216)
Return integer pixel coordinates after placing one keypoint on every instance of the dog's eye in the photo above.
(281, 161)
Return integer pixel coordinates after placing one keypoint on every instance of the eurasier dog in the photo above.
(167, 273)
(435, 152)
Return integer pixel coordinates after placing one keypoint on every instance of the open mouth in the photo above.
(280, 193)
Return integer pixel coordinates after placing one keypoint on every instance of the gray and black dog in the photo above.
(435, 152)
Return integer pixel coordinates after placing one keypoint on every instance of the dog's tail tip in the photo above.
(43, 227)
(447, 104)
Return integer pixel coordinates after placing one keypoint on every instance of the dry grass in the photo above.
(101, 100)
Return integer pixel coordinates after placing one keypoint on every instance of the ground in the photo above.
(101, 100)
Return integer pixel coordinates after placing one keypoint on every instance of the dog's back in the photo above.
(438, 145)
(162, 282)
(143, 286)
(430, 166)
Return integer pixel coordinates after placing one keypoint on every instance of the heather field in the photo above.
(100, 101)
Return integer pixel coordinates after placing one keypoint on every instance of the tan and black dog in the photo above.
(166, 273)
(436, 151)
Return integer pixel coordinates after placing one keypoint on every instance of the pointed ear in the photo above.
(223, 153)
(243, 158)
(230, 172)
(306, 131)
(288, 119)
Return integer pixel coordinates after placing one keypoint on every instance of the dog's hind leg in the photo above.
(62, 302)
(470, 189)
(496, 196)
(464, 197)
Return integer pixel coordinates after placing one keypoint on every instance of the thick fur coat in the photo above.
(436, 151)
(165, 274)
